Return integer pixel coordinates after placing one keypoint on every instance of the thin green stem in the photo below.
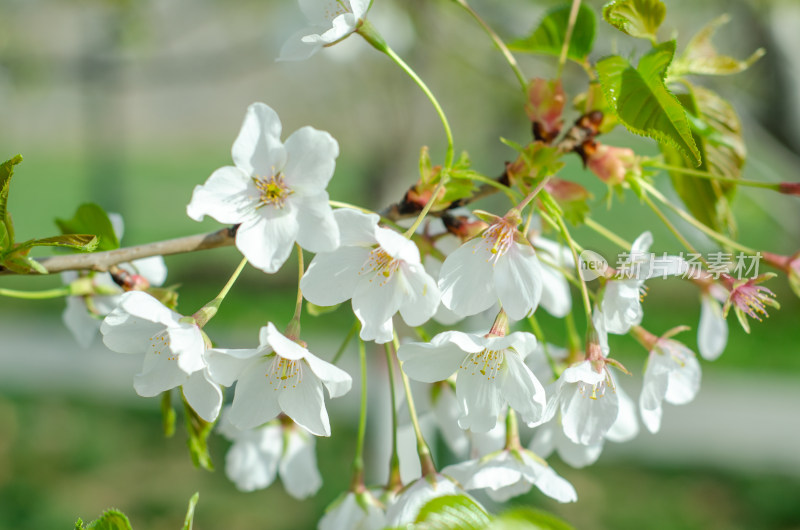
(394, 460)
(672, 228)
(512, 430)
(606, 233)
(512, 62)
(298, 307)
(573, 17)
(711, 176)
(424, 452)
(58, 292)
(358, 461)
(443, 178)
(448, 159)
(713, 234)
(207, 312)
(587, 305)
(345, 342)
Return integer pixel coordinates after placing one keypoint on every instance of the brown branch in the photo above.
(102, 261)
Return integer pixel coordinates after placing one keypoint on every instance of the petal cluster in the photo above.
(275, 192)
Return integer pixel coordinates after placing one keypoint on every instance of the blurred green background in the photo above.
(131, 104)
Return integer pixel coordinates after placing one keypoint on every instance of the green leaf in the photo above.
(700, 57)
(187, 524)
(198, 430)
(451, 512)
(6, 172)
(528, 519)
(82, 242)
(548, 37)
(110, 520)
(718, 134)
(637, 18)
(21, 264)
(642, 102)
(90, 218)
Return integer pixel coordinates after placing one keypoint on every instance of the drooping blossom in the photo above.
(621, 305)
(331, 21)
(258, 455)
(279, 375)
(490, 373)
(356, 511)
(498, 265)
(672, 375)
(509, 473)
(379, 270)
(174, 348)
(405, 509)
(712, 333)
(275, 191)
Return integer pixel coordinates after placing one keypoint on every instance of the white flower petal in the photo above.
(226, 196)
(310, 160)
(642, 243)
(337, 381)
(186, 341)
(296, 49)
(258, 149)
(621, 306)
(332, 277)
(154, 269)
(518, 280)
(465, 280)
(203, 395)
(317, 228)
(375, 300)
(626, 427)
(422, 298)
(556, 298)
(79, 322)
(406, 508)
(226, 366)
(356, 228)
(523, 391)
(430, 362)
(304, 403)
(479, 397)
(255, 401)
(654, 388)
(253, 464)
(267, 241)
(712, 333)
(160, 372)
(298, 467)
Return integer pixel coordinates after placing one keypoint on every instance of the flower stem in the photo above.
(713, 234)
(573, 17)
(587, 305)
(358, 461)
(36, 295)
(207, 312)
(512, 62)
(395, 482)
(443, 178)
(371, 35)
(424, 452)
(345, 342)
(606, 233)
(711, 176)
(512, 430)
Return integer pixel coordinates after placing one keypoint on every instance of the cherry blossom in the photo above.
(406, 507)
(379, 269)
(331, 21)
(509, 473)
(499, 264)
(275, 191)
(279, 375)
(356, 511)
(749, 299)
(279, 447)
(491, 372)
(174, 351)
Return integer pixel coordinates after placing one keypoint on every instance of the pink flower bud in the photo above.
(612, 164)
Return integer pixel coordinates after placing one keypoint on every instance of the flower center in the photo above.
(284, 373)
(487, 363)
(596, 390)
(273, 190)
(753, 300)
(498, 238)
(160, 344)
(381, 264)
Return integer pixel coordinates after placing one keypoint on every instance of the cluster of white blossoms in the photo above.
(489, 387)
(276, 195)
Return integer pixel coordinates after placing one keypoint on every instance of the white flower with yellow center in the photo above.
(278, 376)
(498, 265)
(174, 351)
(379, 269)
(331, 21)
(491, 373)
(275, 191)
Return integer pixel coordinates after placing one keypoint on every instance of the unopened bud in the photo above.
(612, 164)
(544, 107)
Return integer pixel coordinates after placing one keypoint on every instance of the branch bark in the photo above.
(102, 261)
